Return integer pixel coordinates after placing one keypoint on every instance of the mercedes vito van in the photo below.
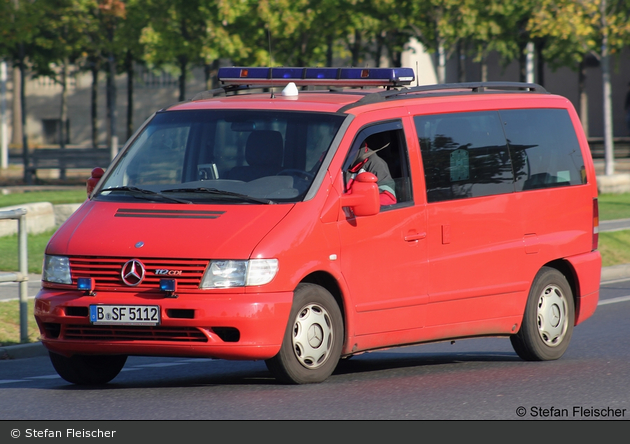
(337, 212)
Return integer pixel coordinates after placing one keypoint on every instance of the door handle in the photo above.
(412, 236)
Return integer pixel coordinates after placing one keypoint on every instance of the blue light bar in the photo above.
(316, 76)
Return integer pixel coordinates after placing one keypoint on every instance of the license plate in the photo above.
(125, 314)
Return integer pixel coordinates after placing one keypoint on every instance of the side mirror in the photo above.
(96, 175)
(363, 197)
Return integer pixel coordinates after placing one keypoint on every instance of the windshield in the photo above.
(230, 156)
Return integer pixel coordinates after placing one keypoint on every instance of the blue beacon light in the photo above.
(86, 284)
(169, 286)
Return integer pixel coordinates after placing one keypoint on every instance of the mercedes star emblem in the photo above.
(132, 272)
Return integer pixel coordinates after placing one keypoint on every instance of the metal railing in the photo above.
(20, 276)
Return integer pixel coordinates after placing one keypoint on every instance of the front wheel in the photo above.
(312, 342)
(548, 320)
(88, 369)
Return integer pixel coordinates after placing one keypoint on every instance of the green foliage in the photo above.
(572, 29)
(187, 33)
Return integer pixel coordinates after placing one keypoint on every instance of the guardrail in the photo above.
(20, 276)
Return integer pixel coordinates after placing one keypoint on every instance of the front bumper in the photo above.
(217, 325)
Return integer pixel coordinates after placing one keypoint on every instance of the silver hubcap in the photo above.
(312, 336)
(552, 315)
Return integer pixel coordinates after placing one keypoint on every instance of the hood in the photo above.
(116, 229)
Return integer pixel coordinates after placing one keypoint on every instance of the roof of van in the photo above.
(342, 100)
(319, 101)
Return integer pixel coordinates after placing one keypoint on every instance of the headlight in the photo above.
(56, 269)
(230, 273)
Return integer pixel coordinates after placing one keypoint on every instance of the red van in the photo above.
(301, 226)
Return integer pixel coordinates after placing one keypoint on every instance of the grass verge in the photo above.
(36, 246)
(614, 206)
(10, 323)
(54, 197)
(614, 247)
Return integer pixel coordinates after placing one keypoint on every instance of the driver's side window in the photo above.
(382, 151)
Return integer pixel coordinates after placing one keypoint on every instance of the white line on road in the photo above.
(614, 300)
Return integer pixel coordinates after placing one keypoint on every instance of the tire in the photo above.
(88, 369)
(312, 342)
(548, 319)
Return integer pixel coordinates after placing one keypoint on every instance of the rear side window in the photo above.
(544, 148)
(464, 155)
(487, 153)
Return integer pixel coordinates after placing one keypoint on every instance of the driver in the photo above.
(368, 161)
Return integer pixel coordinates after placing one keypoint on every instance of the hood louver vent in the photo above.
(168, 214)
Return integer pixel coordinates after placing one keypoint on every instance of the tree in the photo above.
(440, 25)
(132, 50)
(19, 26)
(190, 33)
(110, 13)
(58, 45)
(577, 29)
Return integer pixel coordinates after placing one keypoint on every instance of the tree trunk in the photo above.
(4, 138)
(529, 63)
(16, 130)
(63, 121)
(113, 114)
(609, 150)
(483, 68)
(356, 48)
(95, 68)
(583, 97)
(28, 176)
(329, 50)
(183, 63)
(540, 67)
(441, 68)
(522, 60)
(130, 74)
(461, 62)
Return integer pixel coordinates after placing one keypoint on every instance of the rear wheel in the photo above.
(312, 342)
(548, 320)
(88, 369)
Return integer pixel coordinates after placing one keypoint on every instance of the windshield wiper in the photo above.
(217, 192)
(144, 194)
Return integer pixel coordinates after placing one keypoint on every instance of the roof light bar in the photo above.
(316, 76)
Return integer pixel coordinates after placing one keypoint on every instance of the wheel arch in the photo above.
(328, 282)
(566, 268)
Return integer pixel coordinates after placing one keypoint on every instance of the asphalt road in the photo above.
(475, 379)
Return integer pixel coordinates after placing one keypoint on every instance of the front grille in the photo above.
(106, 272)
(132, 333)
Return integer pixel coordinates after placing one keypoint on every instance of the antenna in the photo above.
(417, 75)
(270, 57)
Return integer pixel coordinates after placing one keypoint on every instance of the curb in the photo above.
(23, 351)
(615, 272)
